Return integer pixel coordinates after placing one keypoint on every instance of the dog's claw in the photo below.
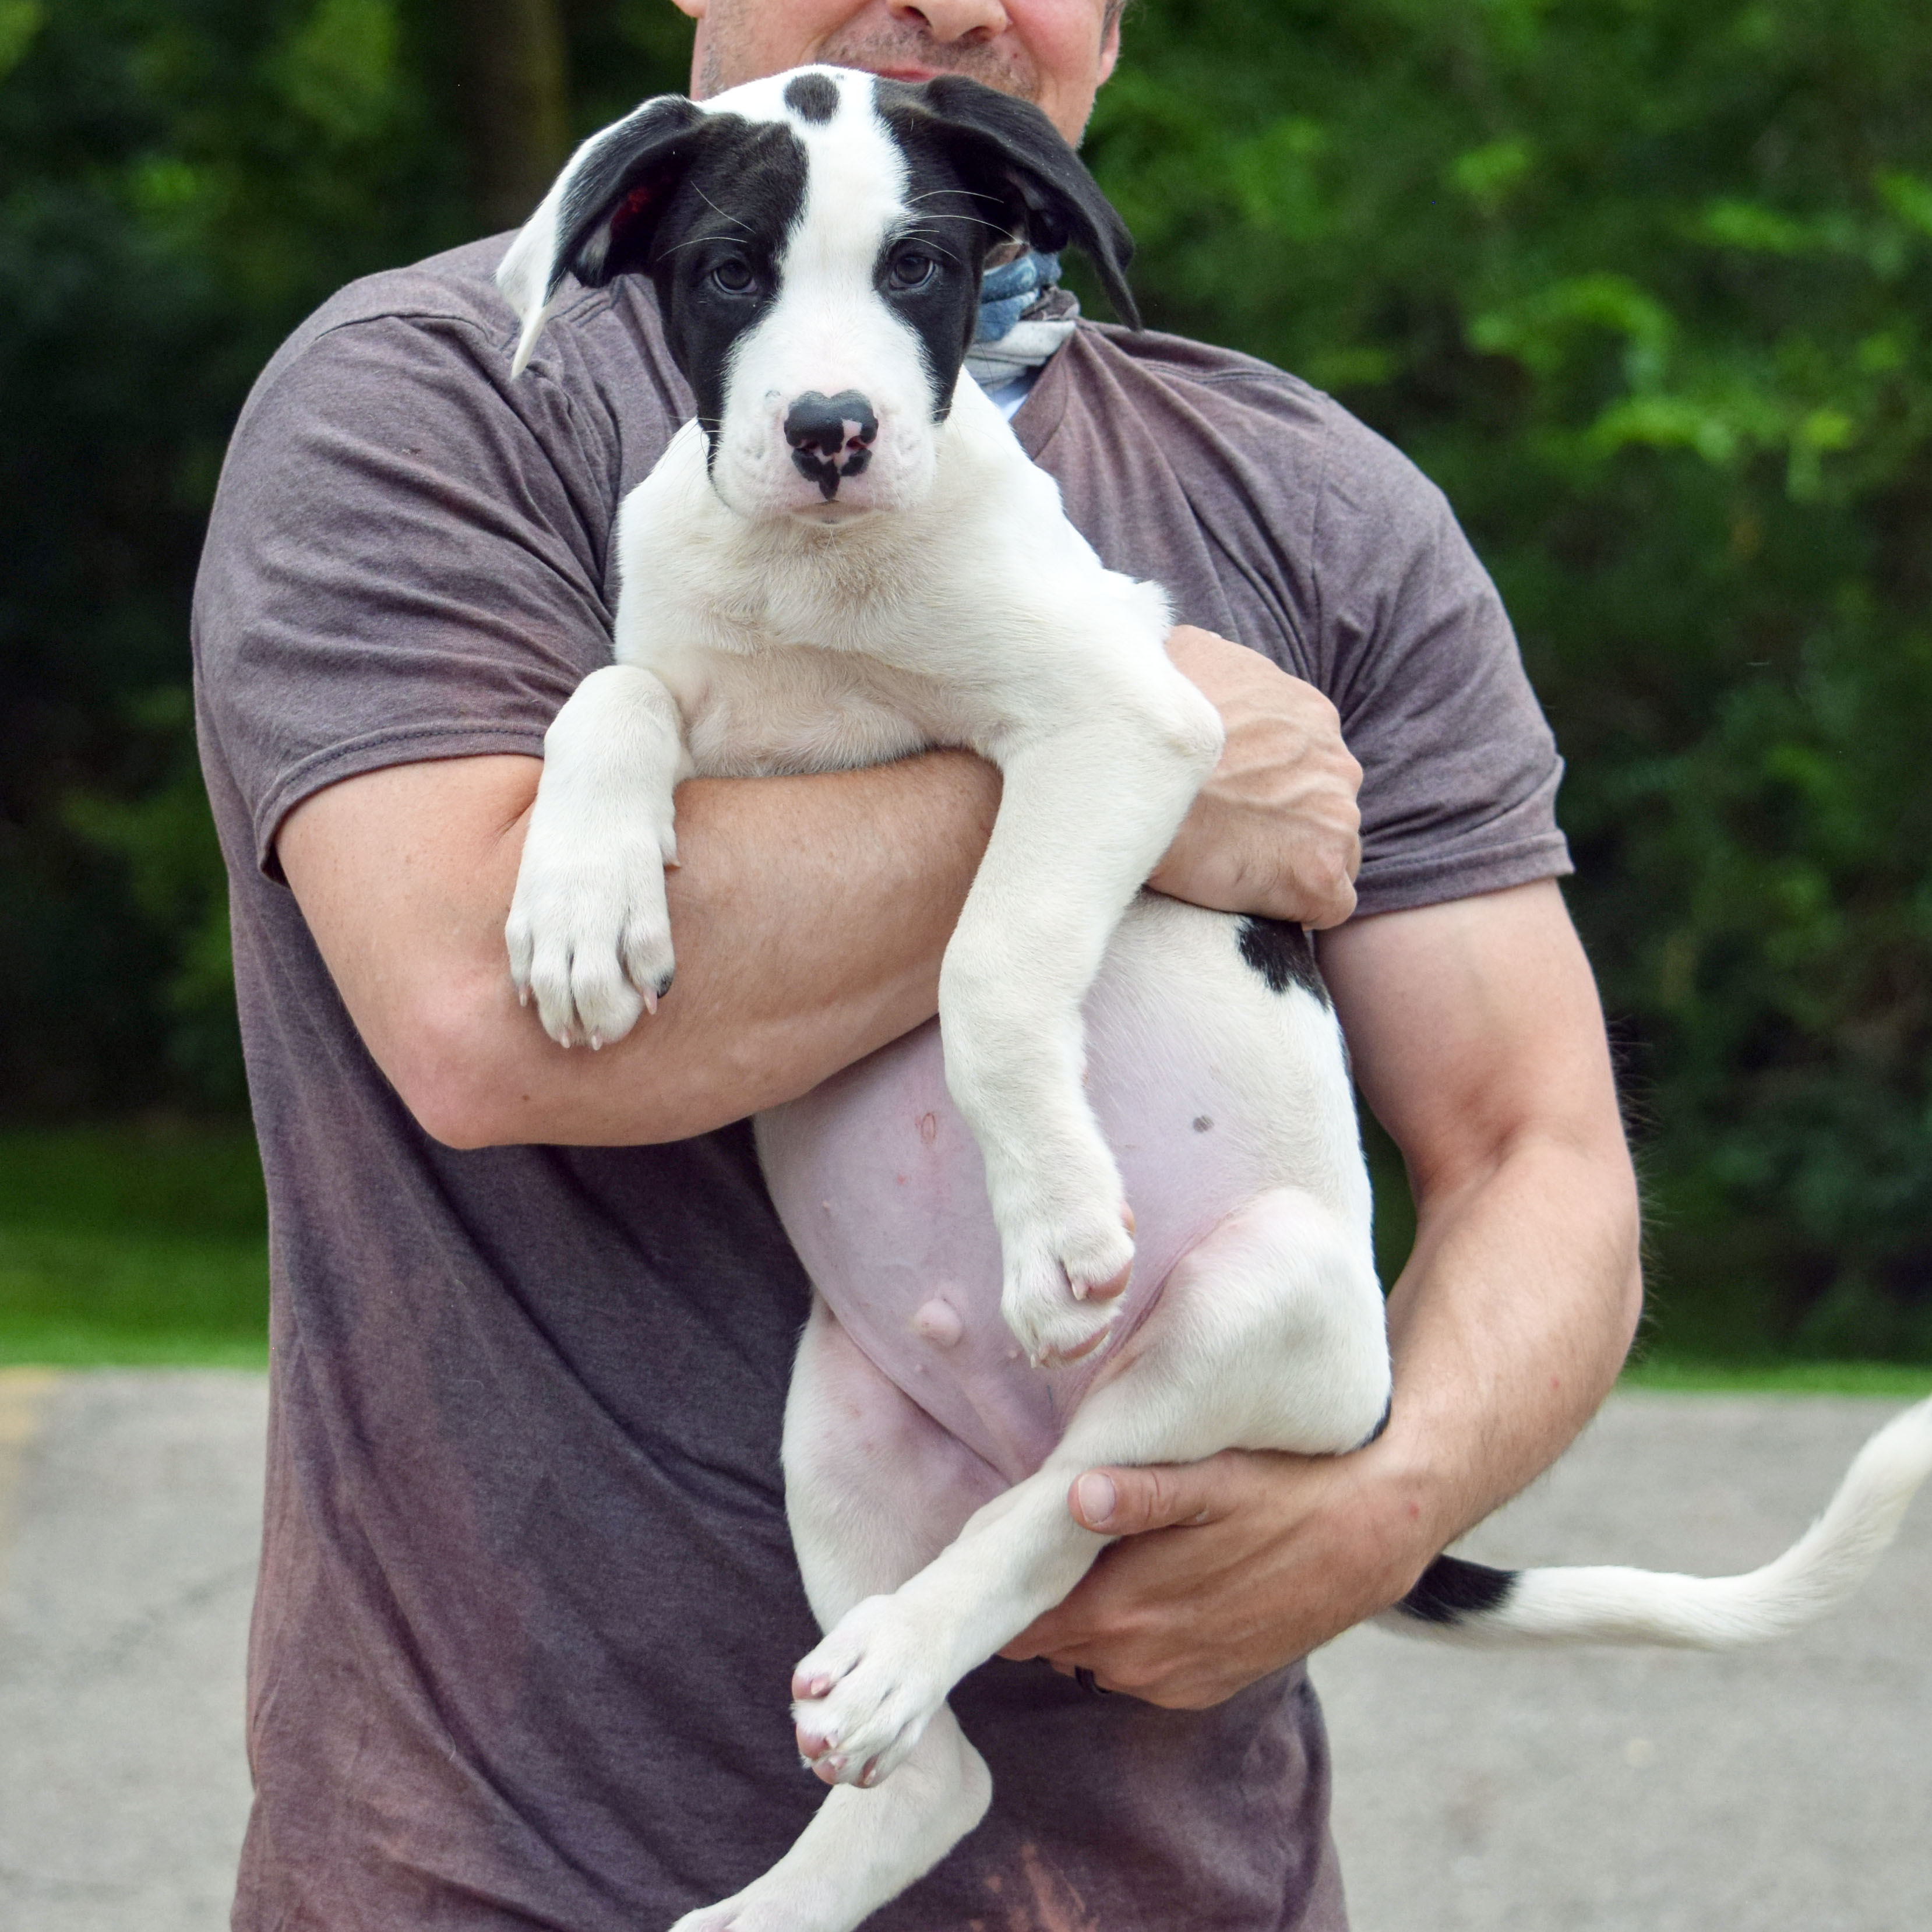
(1061, 1358)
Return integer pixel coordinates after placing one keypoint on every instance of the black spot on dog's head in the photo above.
(703, 203)
(983, 168)
(1283, 955)
(812, 96)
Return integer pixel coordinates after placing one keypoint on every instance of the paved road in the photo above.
(1562, 1792)
(1655, 1791)
(125, 1579)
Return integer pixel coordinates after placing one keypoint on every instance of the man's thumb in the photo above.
(1127, 1502)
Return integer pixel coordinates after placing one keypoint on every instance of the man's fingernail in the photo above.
(1096, 1501)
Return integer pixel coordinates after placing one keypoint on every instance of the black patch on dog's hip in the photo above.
(1283, 955)
(1451, 1592)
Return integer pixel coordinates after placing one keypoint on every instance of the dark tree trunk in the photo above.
(513, 64)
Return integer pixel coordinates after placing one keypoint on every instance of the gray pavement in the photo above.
(1570, 1791)
(1608, 1791)
(125, 1581)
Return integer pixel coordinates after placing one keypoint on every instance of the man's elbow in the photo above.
(474, 1070)
(445, 1065)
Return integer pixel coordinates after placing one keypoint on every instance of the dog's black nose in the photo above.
(831, 437)
(827, 424)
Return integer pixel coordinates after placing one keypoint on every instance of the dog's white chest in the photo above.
(798, 709)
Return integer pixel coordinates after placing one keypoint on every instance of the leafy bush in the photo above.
(1644, 287)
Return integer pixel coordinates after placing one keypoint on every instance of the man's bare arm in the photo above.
(809, 913)
(1478, 1040)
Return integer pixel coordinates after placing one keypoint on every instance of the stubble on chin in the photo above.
(1003, 64)
(731, 56)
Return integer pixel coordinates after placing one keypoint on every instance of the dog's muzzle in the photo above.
(831, 437)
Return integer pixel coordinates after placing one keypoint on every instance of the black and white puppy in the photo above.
(846, 557)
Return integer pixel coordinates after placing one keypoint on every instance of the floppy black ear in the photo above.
(598, 219)
(1045, 182)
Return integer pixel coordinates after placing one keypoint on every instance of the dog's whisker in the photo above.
(722, 214)
(697, 241)
(927, 239)
(957, 194)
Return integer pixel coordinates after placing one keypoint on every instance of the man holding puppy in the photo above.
(528, 1607)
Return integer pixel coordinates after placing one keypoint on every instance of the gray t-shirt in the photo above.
(528, 1607)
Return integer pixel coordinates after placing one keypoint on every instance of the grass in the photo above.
(143, 1243)
(147, 1244)
(1769, 1378)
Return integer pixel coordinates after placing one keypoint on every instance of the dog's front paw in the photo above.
(866, 1694)
(589, 934)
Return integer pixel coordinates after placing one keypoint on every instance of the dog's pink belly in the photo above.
(880, 1186)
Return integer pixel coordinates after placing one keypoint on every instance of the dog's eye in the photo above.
(910, 268)
(734, 275)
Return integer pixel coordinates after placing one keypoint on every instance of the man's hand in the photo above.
(1477, 1039)
(1276, 830)
(1235, 1567)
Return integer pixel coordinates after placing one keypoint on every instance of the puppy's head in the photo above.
(816, 240)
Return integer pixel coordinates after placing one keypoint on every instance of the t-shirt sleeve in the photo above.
(405, 561)
(1459, 768)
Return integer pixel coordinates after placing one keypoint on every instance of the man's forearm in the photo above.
(1508, 1326)
(809, 915)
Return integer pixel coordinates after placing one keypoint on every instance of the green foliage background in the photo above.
(1645, 286)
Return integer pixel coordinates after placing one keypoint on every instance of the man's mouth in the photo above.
(1003, 64)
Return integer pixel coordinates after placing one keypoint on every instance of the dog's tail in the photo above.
(1459, 1602)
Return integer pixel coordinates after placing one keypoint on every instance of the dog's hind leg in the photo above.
(874, 1489)
(1270, 1335)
